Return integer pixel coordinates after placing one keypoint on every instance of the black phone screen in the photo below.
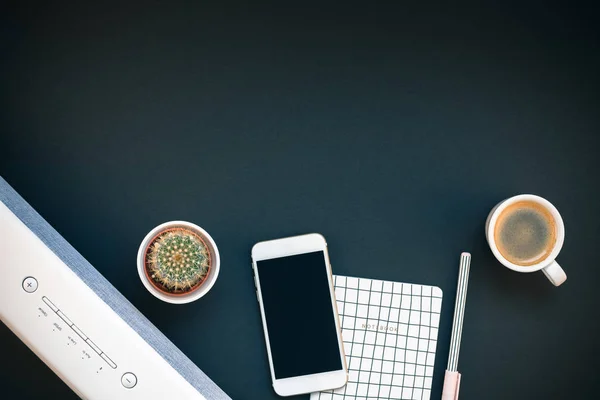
(300, 319)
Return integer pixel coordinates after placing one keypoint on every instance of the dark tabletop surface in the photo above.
(391, 131)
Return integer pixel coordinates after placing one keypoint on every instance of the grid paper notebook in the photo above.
(390, 334)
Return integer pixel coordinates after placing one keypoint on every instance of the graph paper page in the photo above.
(390, 332)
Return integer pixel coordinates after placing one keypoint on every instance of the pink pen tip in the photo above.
(451, 385)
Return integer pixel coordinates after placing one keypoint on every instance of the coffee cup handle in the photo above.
(555, 274)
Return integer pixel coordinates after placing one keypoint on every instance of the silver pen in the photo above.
(452, 377)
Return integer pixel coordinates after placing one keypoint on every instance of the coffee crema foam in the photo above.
(525, 233)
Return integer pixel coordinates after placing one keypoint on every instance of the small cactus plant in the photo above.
(177, 261)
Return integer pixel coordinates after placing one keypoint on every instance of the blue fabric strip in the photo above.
(107, 292)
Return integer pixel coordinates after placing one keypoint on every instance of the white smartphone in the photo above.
(295, 293)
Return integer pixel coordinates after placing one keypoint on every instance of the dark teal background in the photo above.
(391, 130)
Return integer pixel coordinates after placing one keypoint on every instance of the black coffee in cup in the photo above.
(525, 233)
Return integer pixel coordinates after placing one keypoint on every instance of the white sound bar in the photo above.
(72, 325)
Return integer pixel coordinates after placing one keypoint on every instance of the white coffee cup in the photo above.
(548, 265)
(210, 279)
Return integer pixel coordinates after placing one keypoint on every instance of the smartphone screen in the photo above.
(299, 315)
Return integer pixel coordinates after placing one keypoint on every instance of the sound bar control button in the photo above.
(93, 346)
(128, 380)
(78, 331)
(30, 284)
(108, 361)
(50, 304)
(64, 318)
